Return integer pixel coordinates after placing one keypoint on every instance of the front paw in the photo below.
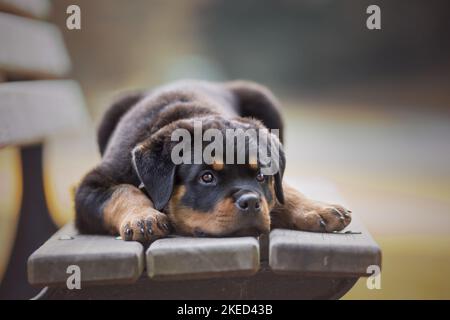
(145, 226)
(324, 218)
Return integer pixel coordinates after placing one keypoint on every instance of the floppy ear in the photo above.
(156, 171)
(279, 177)
(256, 101)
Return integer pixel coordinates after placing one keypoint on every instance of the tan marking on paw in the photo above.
(130, 213)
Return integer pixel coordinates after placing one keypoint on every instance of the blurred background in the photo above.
(366, 109)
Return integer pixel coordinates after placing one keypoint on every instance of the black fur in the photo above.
(156, 170)
(258, 102)
(96, 189)
(140, 119)
(112, 117)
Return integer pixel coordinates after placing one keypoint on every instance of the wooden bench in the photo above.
(35, 103)
(284, 265)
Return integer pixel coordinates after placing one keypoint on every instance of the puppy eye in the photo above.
(207, 177)
(260, 177)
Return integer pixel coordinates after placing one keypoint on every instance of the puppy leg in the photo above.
(301, 213)
(130, 213)
(104, 206)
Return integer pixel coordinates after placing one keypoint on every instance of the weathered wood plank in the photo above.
(39, 9)
(332, 254)
(101, 258)
(31, 48)
(265, 285)
(188, 258)
(327, 254)
(31, 110)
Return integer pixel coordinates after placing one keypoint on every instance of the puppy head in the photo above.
(210, 198)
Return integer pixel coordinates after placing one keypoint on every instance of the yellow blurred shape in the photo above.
(10, 199)
(67, 157)
(414, 267)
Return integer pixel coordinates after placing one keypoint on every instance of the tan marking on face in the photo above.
(218, 165)
(223, 220)
(220, 221)
(126, 200)
(253, 163)
(272, 191)
(178, 193)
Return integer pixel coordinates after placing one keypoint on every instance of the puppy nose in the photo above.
(248, 202)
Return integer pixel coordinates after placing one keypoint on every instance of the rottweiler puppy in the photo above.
(140, 193)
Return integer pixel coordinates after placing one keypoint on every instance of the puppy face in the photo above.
(221, 200)
(215, 199)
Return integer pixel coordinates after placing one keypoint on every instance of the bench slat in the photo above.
(29, 8)
(32, 110)
(101, 258)
(325, 254)
(317, 253)
(31, 48)
(188, 258)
